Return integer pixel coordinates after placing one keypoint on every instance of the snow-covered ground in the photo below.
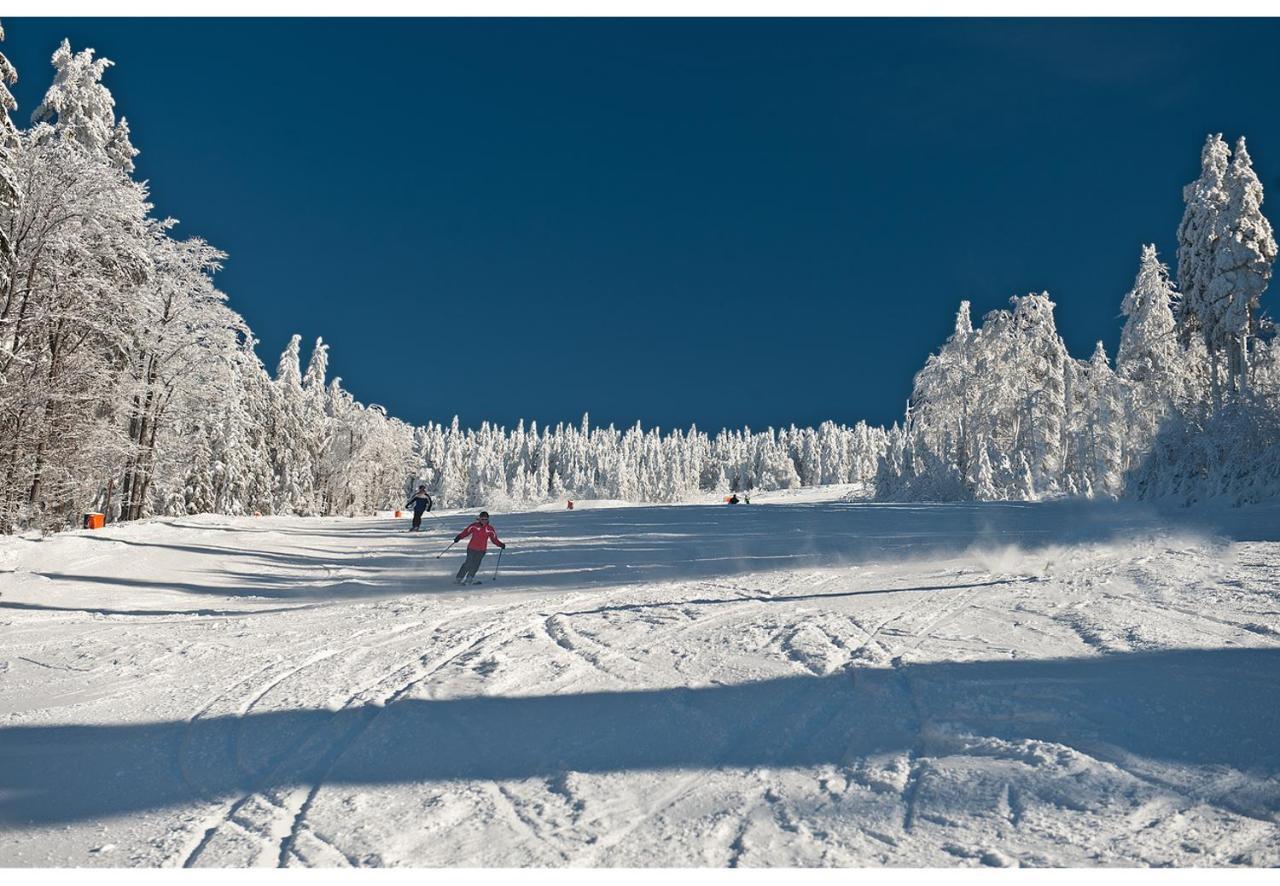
(794, 682)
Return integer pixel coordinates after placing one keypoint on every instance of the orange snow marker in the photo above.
(397, 513)
(726, 498)
(94, 521)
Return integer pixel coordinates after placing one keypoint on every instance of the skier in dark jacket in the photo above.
(420, 502)
(480, 532)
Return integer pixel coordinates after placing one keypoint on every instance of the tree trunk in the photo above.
(50, 378)
(132, 503)
(149, 459)
(1214, 387)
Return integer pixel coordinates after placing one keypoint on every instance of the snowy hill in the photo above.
(794, 682)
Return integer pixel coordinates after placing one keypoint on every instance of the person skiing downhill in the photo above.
(421, 501)
(480, 532)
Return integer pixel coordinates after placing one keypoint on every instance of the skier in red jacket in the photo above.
(480, 532)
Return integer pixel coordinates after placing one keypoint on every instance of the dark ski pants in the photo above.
(417, 519)
(471, 564)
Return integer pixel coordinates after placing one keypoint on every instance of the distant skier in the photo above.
(480, 532)
(420, 502)
(734, 499)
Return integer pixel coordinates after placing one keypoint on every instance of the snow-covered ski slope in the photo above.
(793, 682)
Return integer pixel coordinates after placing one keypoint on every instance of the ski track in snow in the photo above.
(802, 683)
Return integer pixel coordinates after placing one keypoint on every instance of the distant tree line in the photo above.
(492, 465)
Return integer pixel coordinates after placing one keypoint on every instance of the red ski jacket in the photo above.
(480, 534)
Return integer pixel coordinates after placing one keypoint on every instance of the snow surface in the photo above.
(793, 682)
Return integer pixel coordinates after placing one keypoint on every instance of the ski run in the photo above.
(802, 681)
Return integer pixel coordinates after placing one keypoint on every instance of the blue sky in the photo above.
(724, 222)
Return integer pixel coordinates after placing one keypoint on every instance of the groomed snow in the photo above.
(793, 682)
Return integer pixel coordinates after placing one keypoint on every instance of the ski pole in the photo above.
(496, 565)
(446, 550)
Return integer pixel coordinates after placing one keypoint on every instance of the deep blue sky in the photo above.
(729, 222)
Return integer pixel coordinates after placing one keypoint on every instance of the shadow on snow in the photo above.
(1207, 709)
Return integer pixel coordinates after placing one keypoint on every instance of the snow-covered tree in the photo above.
(1205, 199)
(1158, 375)
(9, 139)
(80, 248)
(1244, 255)
(1101, 429)
(181, 344)
(1225, 256)
(1149, 351)
(83, 109)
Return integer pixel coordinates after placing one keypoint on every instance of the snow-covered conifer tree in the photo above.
(453, 477)
(290, 447)
(1156, 370)
(1245, 250)
(318, 427)
(1205, 199)
(1041, 358)
(1102, 428)
(1149, 351)
(777, 470)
